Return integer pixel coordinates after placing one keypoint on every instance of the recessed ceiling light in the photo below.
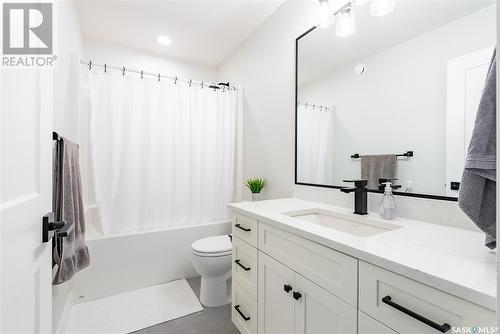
(164, 40)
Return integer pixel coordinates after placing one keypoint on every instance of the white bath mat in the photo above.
(134, 310)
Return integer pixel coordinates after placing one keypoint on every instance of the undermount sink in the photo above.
(358, 226)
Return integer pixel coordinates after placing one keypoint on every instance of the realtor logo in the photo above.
(27, 28)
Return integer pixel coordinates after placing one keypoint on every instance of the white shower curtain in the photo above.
(314, 143)
(160, 154)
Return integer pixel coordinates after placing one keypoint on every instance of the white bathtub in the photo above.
(121, 263)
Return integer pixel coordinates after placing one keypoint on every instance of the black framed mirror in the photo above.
(396, 99)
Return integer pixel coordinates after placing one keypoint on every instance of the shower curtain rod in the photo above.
(159, 76)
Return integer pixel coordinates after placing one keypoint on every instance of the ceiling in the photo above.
(321, 51)
(204, 32)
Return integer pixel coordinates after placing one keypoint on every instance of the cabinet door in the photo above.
(318, 311)
(275, 305)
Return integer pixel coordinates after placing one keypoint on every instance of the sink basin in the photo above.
(358, 226)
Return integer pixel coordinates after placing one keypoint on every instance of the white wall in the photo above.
(399, 104)
(265, 66)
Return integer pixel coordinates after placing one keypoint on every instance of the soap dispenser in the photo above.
(388, 208)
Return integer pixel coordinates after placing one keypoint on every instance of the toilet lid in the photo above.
(213, 245)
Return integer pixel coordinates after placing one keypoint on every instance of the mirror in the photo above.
(396, 99)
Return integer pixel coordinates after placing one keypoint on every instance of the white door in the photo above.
(25, 196)
(466, 76)
(318, 311)
(275, 305)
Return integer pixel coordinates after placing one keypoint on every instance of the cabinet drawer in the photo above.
(243, 310)
(244, 269)
(245, 228)
(368, 325)
(398, 302)
(332, 270)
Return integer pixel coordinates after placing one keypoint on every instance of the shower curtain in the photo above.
(159, 154)
(314, 145)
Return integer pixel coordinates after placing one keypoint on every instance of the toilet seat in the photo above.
(216, 246)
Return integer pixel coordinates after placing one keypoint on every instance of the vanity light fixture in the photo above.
(324, 16)
(344, 17)
(164, 40)
(345, 23)
(382, 7)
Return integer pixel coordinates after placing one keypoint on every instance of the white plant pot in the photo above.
(256, 196)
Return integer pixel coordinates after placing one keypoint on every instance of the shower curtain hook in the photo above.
(202, 85)
(142, 74)
(158, 77)
(190, 82)
(104, 68)
(175, 80)
(307, 104)
(90, 65)
(123, 70)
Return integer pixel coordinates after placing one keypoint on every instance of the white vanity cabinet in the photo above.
(290, 303)
(286, 283)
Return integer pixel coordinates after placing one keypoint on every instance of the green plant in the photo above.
(256, 184)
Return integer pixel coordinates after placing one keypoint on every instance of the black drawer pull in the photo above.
(242, 266)
(297, 295)
(287, 288)
(442, 328)
(242, 228)
(237, 308)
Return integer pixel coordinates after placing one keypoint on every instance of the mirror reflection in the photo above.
(392, 97)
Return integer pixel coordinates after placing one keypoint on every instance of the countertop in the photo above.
(450, 259)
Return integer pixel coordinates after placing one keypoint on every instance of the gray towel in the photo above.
(477, 195)
(374, 167)
(70, 253)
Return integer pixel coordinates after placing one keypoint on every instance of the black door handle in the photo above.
(287, 288)
(297, 295)
(242, 266)
(242, 228)
(51, 227)
(237, 308)
(442, 328)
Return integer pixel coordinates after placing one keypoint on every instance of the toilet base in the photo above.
(215, 291)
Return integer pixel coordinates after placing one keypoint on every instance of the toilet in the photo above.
(212, 260)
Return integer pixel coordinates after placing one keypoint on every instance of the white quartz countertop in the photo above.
(446, 258)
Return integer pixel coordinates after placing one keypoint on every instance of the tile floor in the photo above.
(212, 320)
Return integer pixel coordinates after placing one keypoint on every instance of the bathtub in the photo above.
(121, 263)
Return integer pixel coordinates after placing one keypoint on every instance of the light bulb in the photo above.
(382, 7)
(325, 14)
(345, 24)
(164, 40)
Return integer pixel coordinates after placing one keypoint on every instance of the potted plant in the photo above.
(256, 185)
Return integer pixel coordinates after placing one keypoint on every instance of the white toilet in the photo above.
(212, 260)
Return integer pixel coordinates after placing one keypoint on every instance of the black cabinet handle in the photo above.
(237, 308)
(242, 228)
(442, 328)
(242, 266)
(297, 295)
(287, 288)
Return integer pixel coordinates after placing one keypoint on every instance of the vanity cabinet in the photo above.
(285, 283)
(290, 303)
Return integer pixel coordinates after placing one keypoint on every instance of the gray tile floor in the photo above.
(212, 320)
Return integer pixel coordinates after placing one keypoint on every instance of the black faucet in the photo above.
(360, 195)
